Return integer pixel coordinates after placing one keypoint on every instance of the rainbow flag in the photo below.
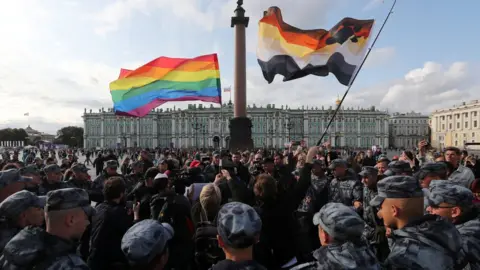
(295, 53)
(137, 92)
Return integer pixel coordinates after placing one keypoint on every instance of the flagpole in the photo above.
(356, 73)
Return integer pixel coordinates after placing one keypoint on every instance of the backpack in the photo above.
(207, 251)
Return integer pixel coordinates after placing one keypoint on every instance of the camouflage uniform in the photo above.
(98, 183)
(75, 183)
(428, 242)
(429, 168)
(346, 189)
(238, 226)
(398, 167)
(46, 187)
(145, 240)
(468, 224)
(35, 248)
(347, 250)
(369, 213)
(11, 208)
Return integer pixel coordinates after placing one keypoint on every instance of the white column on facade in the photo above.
(358, 133)
(155, 134)
(102, 132)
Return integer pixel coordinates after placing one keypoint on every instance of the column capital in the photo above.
(240, 18)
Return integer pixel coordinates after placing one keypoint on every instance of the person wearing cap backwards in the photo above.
(340, 231)
(66, 217)
(11, 181)
(111, 167)
(145, 245)
(344, 188)
(238, 227)
(52, 180)
(418, 241)
(455, 204)
(18, 211)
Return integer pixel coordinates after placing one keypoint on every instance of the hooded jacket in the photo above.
(34, 247)
(342, 256)
(429, 243)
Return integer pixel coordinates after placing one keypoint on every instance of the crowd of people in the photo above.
(314, 208)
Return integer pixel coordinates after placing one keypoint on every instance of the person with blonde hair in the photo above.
(208, 204)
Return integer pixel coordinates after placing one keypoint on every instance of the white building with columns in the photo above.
(457, 125)
(207, 126)
(407, 129)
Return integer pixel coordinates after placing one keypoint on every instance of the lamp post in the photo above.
(196, 126)
(289, 127)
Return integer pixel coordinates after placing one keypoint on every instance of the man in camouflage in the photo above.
(18, 211)
(66, 217)
(80, 177)
(111, 167)
(135, 176)
(399, 167)
(455, 204)
(345, 187)
(340, 231)
(418, 242)
(11, 181)
(52, 180)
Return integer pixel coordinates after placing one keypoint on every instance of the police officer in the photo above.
(399, 167)
(66, 217)
(340, 231)
(52, 180)
(18, 211)
(111, 167)
(11, 181)
(80, 177)
(344, 188)
(416, 238)
(135, 176)
(238, 227)
(455, 204)
(145, 244)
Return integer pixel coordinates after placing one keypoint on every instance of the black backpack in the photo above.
(207, 251)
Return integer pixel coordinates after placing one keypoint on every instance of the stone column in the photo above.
(240, 125)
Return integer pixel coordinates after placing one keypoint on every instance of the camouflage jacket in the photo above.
(34, 247)
(469, 228)
(7, 232)
(342, 256)
(345, 190)
(429, 243)
(45, 187)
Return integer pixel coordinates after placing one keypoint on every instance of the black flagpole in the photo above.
(358, 71)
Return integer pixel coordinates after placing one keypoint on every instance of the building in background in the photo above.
(457, 125)
(407, 129)
(35, 135)
(207, 126)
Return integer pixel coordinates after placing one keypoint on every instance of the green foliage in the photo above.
(13, 134)
(71, 136)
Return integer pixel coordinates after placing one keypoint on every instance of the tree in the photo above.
(71, 136)
(13, 134)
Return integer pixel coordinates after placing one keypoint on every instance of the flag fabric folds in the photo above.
(137, 92)
(295, 53)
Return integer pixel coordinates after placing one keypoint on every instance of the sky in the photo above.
(58, 57)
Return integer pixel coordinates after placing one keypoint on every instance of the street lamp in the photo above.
(289, 127)
(197, 126)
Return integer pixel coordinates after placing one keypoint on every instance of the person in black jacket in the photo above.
(143, 192)
(109, 225)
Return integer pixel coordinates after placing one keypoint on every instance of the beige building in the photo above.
(34, 135)
(457, 125)
(407, 129)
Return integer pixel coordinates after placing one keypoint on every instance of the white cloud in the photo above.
(380, 57)
(373, 4)
(423, 89)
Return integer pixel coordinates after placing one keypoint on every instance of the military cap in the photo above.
(368, 170)
(20, 201)
(80, 168)
(52, 168)
(30, 169)
(432, 167)
(399, 166)
(68, 198)
(339, 221)
(397, 187)
(111, 164)
(238, 225)
(338, 163)
(145, 240)
(442, 191)
(11, 176)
